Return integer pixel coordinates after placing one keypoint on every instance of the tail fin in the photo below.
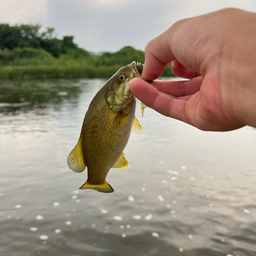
(105, 187)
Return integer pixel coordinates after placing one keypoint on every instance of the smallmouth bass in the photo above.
(106, 129)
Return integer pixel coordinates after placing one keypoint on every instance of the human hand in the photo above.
(216, 53)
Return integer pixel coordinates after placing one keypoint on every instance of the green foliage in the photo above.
(28, 52)
(27, 35)
(53, 46)
(18, 56)
(78, 53)
(48, 34)
(72, 70)
(8, 37)
(19, 36)
(123, 57)
(68, 42)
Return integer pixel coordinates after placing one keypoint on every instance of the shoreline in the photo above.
(29, 72)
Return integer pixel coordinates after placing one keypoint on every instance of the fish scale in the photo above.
(106, 142)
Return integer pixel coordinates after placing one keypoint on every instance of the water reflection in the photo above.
(186, 193)
(35, 106)
(24, 96)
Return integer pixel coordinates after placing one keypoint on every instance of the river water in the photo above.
(187, 192)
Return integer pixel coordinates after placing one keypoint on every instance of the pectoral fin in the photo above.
(76, 159)
(121, 162)
(105, 188)
(136, 126)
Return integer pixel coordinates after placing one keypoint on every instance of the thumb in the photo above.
(157, 55)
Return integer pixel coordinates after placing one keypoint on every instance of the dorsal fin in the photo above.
(121, 162)
(136, 126)
(76, 159)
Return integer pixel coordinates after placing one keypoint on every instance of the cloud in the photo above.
(101, 25)
(25, 11)
(111, 24)
(108, 25)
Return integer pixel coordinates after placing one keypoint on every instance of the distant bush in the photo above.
(76, 53)
(10, 57)
(122, 57)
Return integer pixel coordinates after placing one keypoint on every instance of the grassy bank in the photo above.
(60, 71)
(55, 71)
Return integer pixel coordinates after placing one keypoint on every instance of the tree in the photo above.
(9, 37)
(53, 46)
(68, 42)
(29, 36)
(48, 34)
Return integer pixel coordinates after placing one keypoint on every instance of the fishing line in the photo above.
(102, 237)
(101, 242)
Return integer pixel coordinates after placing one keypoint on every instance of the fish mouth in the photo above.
(136, 69)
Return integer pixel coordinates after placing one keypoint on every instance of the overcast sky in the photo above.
(108, 25)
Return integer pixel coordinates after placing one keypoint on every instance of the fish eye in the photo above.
(121, 78)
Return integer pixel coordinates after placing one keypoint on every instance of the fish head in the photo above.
(124, 76)
(120, 94)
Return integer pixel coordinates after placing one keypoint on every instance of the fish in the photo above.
(106, 130)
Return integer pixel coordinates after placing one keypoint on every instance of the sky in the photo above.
(109, 25)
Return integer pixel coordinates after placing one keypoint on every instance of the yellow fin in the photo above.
(76, 159)
(143, 106)
(105, 187)
(136, 126)
(121, 162)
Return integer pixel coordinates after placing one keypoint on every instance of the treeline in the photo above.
(31, 36)
(27, 51)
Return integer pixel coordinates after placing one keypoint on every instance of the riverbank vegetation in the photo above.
(28, 52)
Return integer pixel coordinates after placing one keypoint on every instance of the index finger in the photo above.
(163, 103)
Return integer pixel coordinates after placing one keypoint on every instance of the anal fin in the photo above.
(76, 159)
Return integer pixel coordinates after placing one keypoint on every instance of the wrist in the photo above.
(237, 69)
